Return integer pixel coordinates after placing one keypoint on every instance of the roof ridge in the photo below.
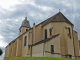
(64, 16)
(55, 15)
(59, 17)
(49, 18)
(66, 19)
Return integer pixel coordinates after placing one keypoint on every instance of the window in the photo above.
(69, 34)
(52, 48)
(50, 31)
(26, 29)
(25, 40)
(46, 34)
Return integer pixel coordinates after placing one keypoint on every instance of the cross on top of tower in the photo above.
(59, 10)
(26, 16)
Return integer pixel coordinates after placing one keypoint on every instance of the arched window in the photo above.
(69, 34)
(46, 34)
(25, 40)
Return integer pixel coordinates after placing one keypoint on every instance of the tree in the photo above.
(1, 51)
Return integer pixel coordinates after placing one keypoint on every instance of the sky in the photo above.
(13, 12)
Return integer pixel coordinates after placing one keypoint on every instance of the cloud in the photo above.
(41, 7)
(37, 16)
(2, 44)
(1, 37)
(1, 21)
(6, 4)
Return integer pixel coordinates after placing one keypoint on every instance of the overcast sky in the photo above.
(13, 12)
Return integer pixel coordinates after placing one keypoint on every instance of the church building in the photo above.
(53, 37)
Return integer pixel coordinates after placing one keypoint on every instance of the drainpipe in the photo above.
(73, 43)
(43, 49)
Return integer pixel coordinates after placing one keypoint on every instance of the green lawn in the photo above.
(37, 58)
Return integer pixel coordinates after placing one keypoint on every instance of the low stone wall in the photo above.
(47, 54)
(77, 57)
(37, 55)
(73, 57)
(67, 56)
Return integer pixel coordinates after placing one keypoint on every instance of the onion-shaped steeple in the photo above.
(25, 23)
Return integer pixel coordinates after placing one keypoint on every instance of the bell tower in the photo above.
(25, 26)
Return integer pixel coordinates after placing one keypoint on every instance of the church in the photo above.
(53, 37)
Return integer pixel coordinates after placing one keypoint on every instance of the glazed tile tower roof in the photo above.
(25, 23)
(59, 17)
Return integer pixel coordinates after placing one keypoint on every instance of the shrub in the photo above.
(1, 51)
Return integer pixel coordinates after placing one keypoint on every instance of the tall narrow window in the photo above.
(46, 34)
(25, 40)
(69, 34)
(50, 30)
(52, 48)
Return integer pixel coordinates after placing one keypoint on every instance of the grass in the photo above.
(36, 58)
